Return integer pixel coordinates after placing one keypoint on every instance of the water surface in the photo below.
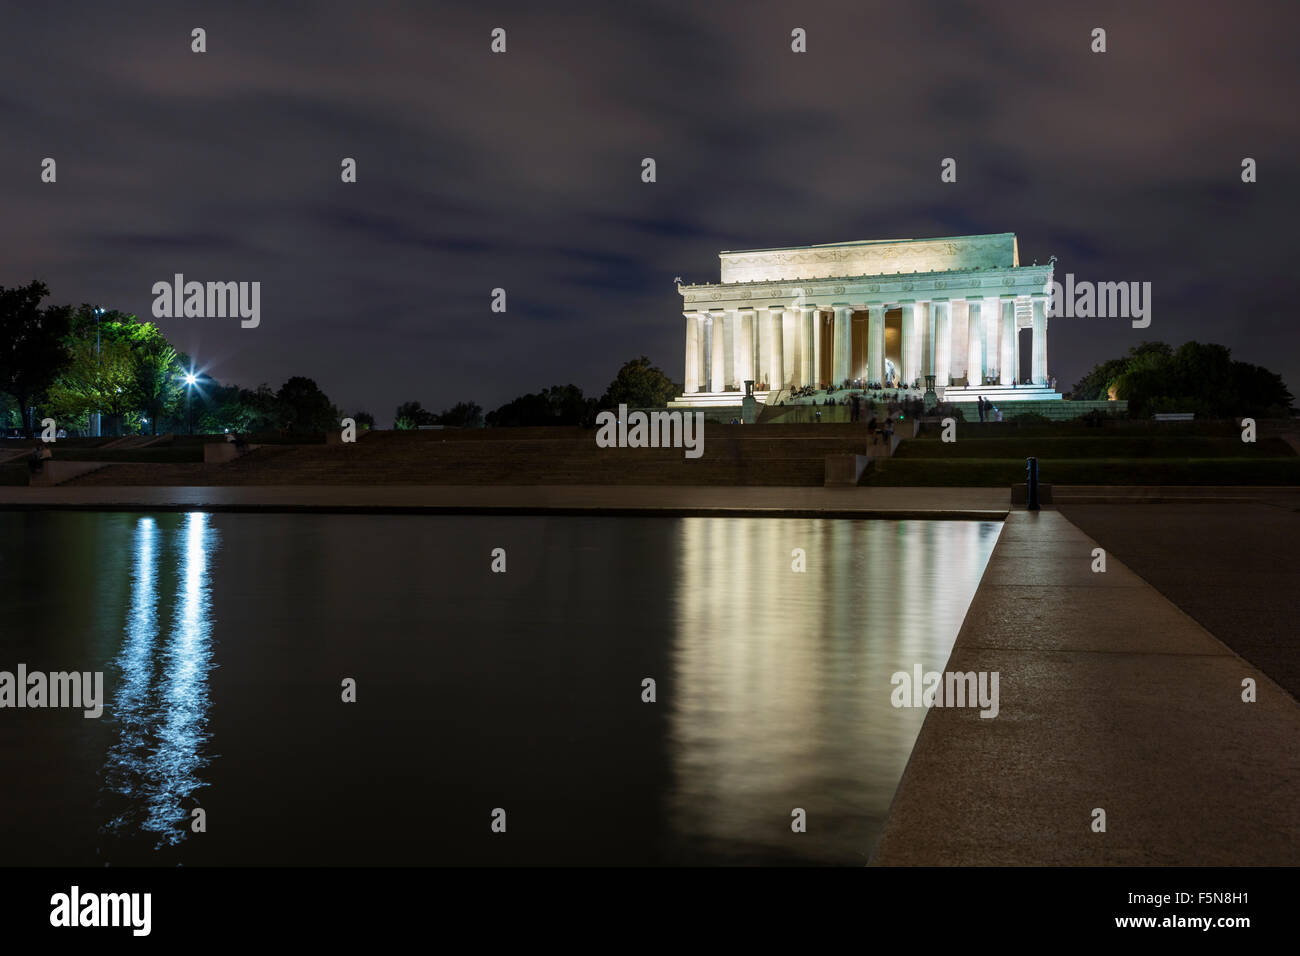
(224, 640)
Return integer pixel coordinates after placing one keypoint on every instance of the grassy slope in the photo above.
(1080, 457)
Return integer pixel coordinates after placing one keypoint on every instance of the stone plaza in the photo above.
(873, 312)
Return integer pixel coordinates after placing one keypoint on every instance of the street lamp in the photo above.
(98, 312)
(190, 379)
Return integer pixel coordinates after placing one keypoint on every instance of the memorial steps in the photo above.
(703, 400)
(953, 393)
(1010, 400)
(999, 394)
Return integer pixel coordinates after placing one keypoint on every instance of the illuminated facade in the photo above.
(874, 310)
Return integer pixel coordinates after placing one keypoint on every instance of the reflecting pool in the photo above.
(225, 641)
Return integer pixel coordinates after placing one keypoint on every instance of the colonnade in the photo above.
(782, 345)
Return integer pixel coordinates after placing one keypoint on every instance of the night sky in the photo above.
(522, 170)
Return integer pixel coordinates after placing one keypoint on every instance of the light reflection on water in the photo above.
(783, 691)
(476, 689)
(161, 706)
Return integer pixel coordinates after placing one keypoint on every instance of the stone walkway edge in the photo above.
(990, 504)
(1111, 699)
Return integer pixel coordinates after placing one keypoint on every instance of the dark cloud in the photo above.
(522, 171)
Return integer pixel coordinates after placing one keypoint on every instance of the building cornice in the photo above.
(1016, 280)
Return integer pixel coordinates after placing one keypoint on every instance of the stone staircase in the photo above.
(700, 401)
(1000, 394)
(1056, 409)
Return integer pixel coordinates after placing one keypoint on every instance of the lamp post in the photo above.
(190, 379)
(95, 429)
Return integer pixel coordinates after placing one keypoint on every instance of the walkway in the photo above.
(958, 503)
(1112, 698)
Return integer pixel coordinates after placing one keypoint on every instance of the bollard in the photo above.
(1032, 467)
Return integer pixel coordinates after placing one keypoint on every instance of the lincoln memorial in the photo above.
(890, 311)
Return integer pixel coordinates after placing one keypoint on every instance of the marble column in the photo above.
(876, 342)
(843, 343)
(1016, 325)
(819, 326)
(974, 341)
(991, 320)
(794, 345)
(930, 314)
(791, 340)
(706, 360)
(1007, 359)
(807, 315)
(691, 381)
(776, 354)
(942, 311)
(911, 343)
(1040, 340)
(718, 374)
(745, 351)
(729, 350)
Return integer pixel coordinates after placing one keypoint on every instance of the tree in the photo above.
(86, 321)
(304, 407)
(158, 373)
(461, 415)
(639, 384)
(230, 408)
(1195, 377)
(95, 380)
(411, 415)
(119, 366)
(365, 421)
(32, 351)
(1262, 392)
(1096, 385)
(9, 417)
(557, 405)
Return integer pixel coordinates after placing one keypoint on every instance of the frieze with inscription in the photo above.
(975, 252)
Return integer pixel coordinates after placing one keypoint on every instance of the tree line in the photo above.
(638, 384)
(1194, 377)
(69, 363)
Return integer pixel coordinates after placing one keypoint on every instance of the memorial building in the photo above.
(885, 312)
